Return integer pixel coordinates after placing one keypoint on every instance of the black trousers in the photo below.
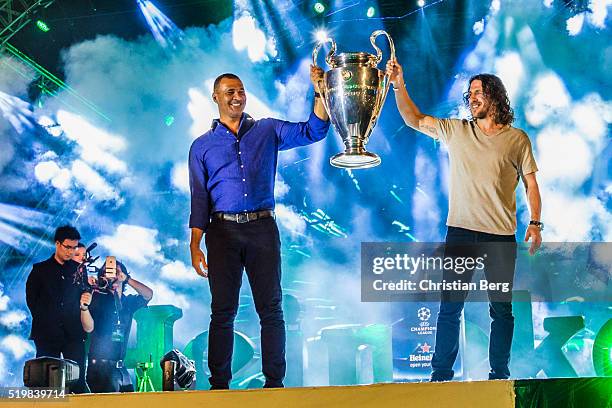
(501, 252)
(104, 376)
(71, 350)
(254, 246)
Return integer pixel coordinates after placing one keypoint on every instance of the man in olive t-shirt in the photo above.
(484, 173)
(487, 158)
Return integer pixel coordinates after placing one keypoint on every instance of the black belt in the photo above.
(116, 363)
(244, 217)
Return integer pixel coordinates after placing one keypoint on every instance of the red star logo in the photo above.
(425, 348)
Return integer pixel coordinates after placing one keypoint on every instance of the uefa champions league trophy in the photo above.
(353, 93)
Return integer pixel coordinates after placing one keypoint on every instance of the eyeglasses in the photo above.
(68, 247)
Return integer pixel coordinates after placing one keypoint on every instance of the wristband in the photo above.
(398, 88)
(84, 309)
(538, 224)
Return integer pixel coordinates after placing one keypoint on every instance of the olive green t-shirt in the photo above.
(484, 173)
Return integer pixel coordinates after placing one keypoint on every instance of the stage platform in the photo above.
(553, 393)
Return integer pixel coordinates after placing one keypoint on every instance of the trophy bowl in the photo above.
(353, 91)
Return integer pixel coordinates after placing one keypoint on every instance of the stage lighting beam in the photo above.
(165, 32)
(49, 82)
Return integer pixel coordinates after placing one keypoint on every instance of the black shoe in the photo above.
(274, 385)
(442, 375)
(498, 376)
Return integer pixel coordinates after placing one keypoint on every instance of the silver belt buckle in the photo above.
(242, 218)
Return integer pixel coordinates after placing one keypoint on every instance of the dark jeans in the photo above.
(71, 350)
(106, 377)
(254, 246)
(500, 309)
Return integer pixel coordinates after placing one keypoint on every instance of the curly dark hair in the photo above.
(495, 92)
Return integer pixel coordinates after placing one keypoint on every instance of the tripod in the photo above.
(143, 380)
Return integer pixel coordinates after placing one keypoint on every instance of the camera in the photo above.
(104, 276)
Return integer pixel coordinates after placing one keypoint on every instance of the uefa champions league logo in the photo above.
(424, 314)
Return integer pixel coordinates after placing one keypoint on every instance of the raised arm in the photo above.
(411, 114)
(140, 288)
(294, 134)
(316, 76)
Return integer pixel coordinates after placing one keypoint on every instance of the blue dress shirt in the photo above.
(235, 173)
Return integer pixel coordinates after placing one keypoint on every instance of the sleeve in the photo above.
(94, 309)
(135, 302)
(32, 291)
(200, 199)
(526, 160)
(446, 128)
(294, 134)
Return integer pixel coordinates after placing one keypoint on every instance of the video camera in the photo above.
(104, 276)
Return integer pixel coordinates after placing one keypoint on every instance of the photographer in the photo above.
(107, 315)
(52, 297)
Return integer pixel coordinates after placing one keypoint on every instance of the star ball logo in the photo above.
(425, 348)
(422, 356)
(422, 327)
(424, 314)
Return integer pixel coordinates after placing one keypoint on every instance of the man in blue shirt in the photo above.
(232, 169)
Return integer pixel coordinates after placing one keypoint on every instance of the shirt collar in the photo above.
(54, 261)
(245, 117)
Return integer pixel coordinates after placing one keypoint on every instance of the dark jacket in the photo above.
(53, 300)
(112, 324)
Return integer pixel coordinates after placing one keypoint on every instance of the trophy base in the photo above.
(362, 160)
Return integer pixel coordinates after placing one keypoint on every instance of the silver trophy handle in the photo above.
(330, 54)
(387, 83)
(373, 37)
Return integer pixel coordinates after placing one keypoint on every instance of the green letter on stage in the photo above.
(154, 338)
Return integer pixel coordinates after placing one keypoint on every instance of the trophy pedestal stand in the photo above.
(361, 160)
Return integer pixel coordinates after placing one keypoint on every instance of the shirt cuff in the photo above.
(198, 221)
